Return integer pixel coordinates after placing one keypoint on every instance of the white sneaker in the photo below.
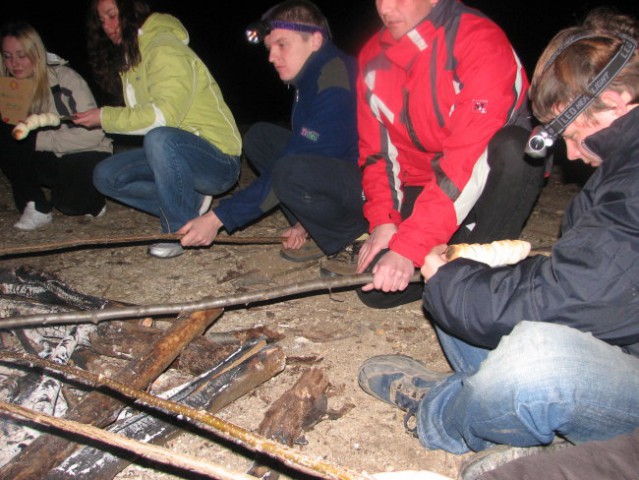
(166, 250)
(206, 204)
(32, 219)
(101, 213)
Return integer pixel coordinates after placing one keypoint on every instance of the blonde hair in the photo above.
(37, 54)
(574, 57)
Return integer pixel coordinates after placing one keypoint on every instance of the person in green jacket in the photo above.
(192, 146)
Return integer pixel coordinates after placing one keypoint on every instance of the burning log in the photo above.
(96, 408)
(40, 393)
(212, 391)
(128, 340)
(152, 452)
(208, 422)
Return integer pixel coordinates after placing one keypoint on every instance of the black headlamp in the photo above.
(256, 32)
(544, 136)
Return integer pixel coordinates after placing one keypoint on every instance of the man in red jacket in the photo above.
(443, 120)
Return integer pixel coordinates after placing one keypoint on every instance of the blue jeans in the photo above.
(542, 380)
(169, 176)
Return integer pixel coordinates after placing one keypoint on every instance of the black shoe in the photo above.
(399, 380)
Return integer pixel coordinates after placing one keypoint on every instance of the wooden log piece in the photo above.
(214, 392)
(299, 407)
(98, 409)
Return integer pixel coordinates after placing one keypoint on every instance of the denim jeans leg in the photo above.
(542, 380)
(463, 357)
(186, 167)
(128, 178)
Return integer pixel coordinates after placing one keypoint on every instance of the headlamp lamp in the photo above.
(256, 32)
(544, 136)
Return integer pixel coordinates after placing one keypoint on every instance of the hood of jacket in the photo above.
(161, 24)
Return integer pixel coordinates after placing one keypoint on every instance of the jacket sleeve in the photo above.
(589, 283)
(68, 138)
(378, 169)
(170, 75)
(247, 204)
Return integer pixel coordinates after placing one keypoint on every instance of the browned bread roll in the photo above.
(495, 254)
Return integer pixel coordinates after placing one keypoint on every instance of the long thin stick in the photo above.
(129, 312)
(79, 242)
(231, 432)
(145, 450)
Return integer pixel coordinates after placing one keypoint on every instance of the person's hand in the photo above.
(201, 231)
(376, 242)
(89, 119)
(433, 260)
(391, 273)
(294, 237)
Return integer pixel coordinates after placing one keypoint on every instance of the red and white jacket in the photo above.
(428, 105)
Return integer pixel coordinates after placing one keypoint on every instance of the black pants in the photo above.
(69, 177)
(324, 194)
(512, 188)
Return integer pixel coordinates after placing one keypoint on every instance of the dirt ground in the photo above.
(335, 327)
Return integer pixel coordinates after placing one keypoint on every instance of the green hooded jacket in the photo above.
(172, 87)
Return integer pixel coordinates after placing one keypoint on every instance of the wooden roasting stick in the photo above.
(494, 254)
(289, 456)
(79, 242)
(96, 408)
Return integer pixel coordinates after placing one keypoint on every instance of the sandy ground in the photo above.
(334, 327)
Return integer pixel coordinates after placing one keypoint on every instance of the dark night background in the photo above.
(248, 82)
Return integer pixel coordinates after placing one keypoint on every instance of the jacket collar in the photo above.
(314, 63)
(622, 134)
(403, 51)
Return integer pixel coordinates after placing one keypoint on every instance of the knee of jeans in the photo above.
(99, 178)
(157, 142)
(533, 354)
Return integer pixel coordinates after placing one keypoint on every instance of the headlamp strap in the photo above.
(296, 27)
(598, 84)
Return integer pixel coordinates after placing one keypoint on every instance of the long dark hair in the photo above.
(107, 59)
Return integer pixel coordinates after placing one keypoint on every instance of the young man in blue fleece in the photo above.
(311, 170)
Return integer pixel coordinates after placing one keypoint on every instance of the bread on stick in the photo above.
(33, 122)
(495, 254)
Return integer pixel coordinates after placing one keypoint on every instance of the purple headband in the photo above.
(296, 27)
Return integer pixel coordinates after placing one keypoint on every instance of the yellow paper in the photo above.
(15, 98)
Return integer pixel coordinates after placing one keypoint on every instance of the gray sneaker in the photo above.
(399, 380)
(166, 250)
(494, 457)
